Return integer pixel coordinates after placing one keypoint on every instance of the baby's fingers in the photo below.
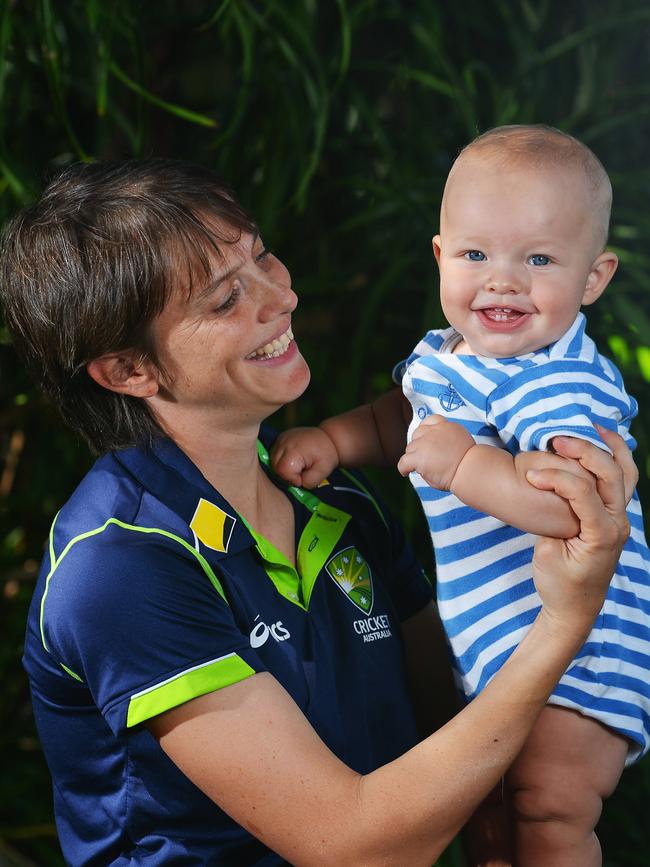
(289, 465)
(406, 464)
(425, 425)
(312, 476)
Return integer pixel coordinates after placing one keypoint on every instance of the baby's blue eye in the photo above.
(539, 260)
(475, 256)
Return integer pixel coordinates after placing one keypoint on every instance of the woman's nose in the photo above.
(277, 296)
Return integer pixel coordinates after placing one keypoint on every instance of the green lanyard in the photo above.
(315, 546)
(305, 497)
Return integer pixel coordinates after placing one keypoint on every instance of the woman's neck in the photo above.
(228, 459)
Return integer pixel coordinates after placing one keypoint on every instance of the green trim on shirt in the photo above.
(317, 541)
(182, 687)
(70, 672)
(201, 559)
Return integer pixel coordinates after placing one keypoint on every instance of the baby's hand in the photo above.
(435, 451)
(304, 456)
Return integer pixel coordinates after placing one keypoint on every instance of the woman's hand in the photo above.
(572, 575)
(249, 747)
(570, 447)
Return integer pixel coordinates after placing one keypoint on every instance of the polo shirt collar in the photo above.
(166, 472)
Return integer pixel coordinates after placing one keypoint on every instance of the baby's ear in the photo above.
(600, 274)
(435, 243)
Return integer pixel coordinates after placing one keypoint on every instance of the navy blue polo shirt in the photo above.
(154, 591)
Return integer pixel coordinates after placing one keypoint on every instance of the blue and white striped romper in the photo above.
(486, 594)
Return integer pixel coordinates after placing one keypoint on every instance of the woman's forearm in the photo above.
(428, 794)
(251, 750)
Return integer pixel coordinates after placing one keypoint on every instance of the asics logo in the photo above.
(261, 632)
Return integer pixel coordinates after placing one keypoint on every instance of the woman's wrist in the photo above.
(542, 656)
(571, 630)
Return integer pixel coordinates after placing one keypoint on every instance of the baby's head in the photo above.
(523, 228)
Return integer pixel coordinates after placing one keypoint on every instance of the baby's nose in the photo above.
(504, 281)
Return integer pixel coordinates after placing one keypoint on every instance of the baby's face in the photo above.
(516, 253)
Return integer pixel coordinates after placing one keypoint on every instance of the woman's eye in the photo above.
(260, 257)
(539, 260)
(230, 300)
(475, 256)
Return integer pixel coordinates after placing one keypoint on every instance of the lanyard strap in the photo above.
(312, 502)
(316, 545)
(306, 497)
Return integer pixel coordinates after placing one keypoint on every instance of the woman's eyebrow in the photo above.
(217, 279)
(212, 284)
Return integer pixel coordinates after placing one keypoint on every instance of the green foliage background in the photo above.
(336, 122)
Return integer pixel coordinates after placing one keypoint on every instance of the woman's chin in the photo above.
(301, 378)
(294, 386)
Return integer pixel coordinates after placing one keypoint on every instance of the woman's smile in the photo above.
(277, 347)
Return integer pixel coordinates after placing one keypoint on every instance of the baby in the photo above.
(523, 228)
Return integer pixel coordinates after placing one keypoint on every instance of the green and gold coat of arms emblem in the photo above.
(350, 572)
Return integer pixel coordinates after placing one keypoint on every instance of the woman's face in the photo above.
(226, 348)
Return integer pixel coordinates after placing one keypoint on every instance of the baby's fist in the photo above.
(304, 456)
(436, 449)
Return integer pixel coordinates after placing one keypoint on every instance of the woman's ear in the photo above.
(600, 274)
(125, 373)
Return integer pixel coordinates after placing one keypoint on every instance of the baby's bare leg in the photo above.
(568, 766)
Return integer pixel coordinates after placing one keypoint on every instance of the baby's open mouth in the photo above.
(275, 348)
(502, 314)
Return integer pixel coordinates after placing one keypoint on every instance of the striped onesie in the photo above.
(486, 594)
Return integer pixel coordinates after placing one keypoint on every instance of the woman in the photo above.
(221, 665)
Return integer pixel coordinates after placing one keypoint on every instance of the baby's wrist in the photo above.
(461, 463)
(323, 428)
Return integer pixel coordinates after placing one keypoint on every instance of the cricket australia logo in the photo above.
(351, 574)
(450, 399)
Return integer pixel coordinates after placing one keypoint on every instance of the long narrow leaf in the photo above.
(177, 110)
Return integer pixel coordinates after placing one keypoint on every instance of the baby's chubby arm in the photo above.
(370, 435)
(490, 479)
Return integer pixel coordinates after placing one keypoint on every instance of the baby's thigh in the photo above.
(569, 764)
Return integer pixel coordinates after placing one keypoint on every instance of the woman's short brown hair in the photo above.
(86, 269)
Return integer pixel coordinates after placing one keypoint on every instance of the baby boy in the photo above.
(523, 228)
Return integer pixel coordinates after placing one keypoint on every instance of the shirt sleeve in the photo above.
(560, 398)
(143, 623)
(429, 345)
